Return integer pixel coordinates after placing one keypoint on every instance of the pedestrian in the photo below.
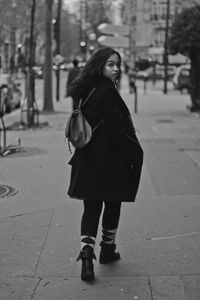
(105, 172)
(132, 80)
(72, 75)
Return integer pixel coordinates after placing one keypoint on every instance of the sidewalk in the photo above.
(158, 236)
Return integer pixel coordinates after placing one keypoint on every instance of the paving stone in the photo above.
(195, 155)
(167, 288)
(173, 179)
(107, 288)
(13, 288)
(152, 246)
(22, 239)
(192, 286)
(63, 242)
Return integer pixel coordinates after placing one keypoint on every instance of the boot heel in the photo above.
(87, 271)
(108, 254)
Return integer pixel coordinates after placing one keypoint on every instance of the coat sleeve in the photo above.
(118, 125)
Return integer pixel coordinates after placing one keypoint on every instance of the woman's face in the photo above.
(112, 67)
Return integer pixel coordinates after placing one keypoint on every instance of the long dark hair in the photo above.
(93, 68)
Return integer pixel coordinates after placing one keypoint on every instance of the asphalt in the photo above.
(159, 234)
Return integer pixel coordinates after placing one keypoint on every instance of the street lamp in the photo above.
(54, 23)
(166, 47)
(19, 47)
(132, 32)
(57, 38)
(83, 48)
(13, 42)
(92, 39)
(6, 46)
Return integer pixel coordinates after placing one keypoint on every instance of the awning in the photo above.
(178, 59)
(156, 51)
(111, 29)
(113, 41)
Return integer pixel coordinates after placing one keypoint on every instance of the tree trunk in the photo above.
(31, 91)
(59, 8)
(48, 101)
(195, 82)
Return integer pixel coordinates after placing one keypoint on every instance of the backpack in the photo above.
(78, 131)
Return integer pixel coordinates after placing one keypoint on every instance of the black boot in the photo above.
(108, 254)
(87, 254)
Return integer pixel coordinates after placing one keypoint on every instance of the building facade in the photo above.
(150, 23)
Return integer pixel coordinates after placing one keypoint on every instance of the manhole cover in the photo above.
(7, 191)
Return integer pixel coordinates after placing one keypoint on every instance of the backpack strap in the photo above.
(81, 103)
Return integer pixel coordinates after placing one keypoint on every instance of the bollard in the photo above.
(133, 87)
(136, 101)
(145, 84)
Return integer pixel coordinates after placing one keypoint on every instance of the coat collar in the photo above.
(103, 80)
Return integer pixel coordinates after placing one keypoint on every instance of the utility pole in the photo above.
(58, 20)
(48, 101)
(166, 48)
(132, 32)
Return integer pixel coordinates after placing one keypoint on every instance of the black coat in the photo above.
(109, 167)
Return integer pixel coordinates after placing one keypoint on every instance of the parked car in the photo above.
(159, 72)
(144, 73)
(181, 79)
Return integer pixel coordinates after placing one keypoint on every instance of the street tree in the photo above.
(69, 35)
(18, 14)
(31, 62)
(48, 101)
(185, 39)
(97, 13)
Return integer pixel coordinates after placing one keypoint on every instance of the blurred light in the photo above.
(82, 44)
(92, 36)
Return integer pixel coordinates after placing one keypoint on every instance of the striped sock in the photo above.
(87, 240)
(108, 236)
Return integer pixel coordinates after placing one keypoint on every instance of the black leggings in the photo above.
(92, 213)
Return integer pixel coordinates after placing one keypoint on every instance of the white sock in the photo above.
(87, 240)
(108, 236)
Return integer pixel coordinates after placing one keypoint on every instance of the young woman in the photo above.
(107, 171)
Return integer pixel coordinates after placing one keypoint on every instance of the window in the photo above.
(159, 10)
(160, 37)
